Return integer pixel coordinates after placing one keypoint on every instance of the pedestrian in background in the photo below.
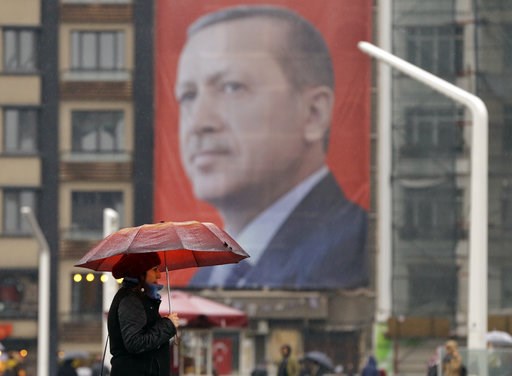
(67, 368)
(288, 366)
(452, 361)
(370, 369)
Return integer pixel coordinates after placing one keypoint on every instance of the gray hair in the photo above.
(304, 57)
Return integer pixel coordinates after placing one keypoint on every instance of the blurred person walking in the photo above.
(288, 366)
(452, 361)
(370, 369)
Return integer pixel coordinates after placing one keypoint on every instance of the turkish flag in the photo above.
(5, 330)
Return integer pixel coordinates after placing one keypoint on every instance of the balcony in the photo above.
(97, 11)
(96, 85)
(96, 166)
(418, 327)
(74, 247)
(81, 329)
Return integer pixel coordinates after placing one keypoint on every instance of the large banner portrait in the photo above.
(262, 127)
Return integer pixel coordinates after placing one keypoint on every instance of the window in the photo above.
(97, 131)
(87, 212)
(430, 213)
(432, 289)
(435, 49)
(97, 50)
(13, 201)
(432, 131)
(507, 45)
(506, 283)
(86, 296)
(18, 294)
(507, 129)
(506, 206)
(496, 4)
(20, 130)
(20, 46)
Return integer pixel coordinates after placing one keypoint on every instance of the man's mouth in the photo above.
(207, 158)
(207, 151)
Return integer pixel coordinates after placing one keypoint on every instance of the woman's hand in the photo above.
(175, 319)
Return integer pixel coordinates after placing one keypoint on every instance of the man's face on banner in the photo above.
(240, 119)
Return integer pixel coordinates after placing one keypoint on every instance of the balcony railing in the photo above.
(96, 167)
(96, 1)
(80, 328)
(418, 151)
(75, 243)
(96, 156)
(96, 85)
(408, 232)
(96, 75)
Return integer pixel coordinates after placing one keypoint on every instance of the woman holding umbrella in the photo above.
(139, 336)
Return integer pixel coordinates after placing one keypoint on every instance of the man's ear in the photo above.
(319, 102)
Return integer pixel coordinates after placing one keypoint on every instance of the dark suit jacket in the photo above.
(322, 244)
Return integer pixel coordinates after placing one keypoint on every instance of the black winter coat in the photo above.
(139, 336)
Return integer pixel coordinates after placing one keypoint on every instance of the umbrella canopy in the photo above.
(498, 337)
(72, 355)
(201, 312)
(320, 358)
(180, 245)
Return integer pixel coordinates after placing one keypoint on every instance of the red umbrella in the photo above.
(201, 312)
(180, 245)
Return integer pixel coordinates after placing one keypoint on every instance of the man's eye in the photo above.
(186, 96)
(232, 87)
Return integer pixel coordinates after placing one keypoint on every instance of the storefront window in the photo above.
(18, 294)
(196, 352)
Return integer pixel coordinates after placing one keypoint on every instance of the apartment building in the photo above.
(75, 109)
(27, 100)
(466, 43)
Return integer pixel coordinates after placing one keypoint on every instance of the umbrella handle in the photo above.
(177, 336)
(168, 285)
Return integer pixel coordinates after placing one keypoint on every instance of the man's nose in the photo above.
(205, 115)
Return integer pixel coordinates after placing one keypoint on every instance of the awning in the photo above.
(200, 312)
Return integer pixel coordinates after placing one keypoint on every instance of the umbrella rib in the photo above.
(134, 236)
(195, 258)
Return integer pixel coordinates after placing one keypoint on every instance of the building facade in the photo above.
(74, 98)
(28, 163)
(466, 43)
